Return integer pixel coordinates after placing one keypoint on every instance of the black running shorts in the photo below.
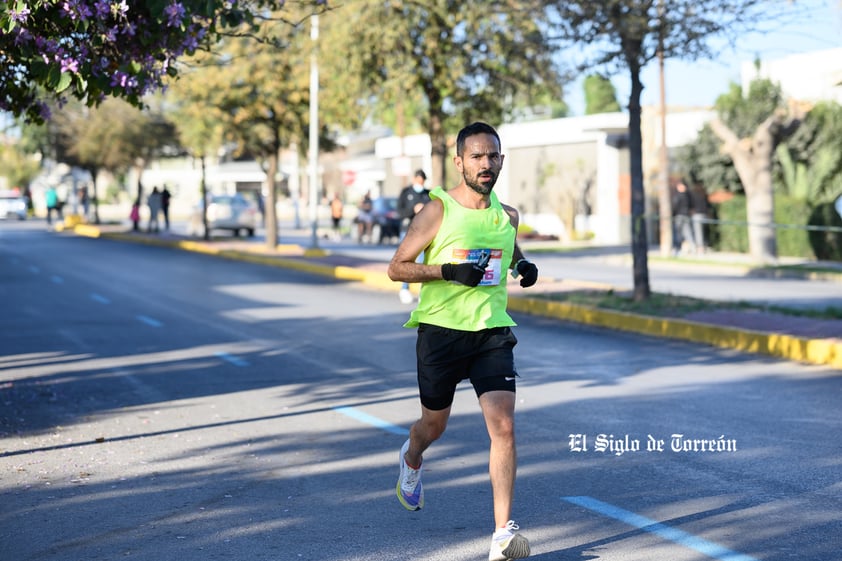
(448, 356)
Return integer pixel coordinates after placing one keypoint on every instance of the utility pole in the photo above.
(314, 132)
(664, 199)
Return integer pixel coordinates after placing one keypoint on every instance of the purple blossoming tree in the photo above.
(92, 49)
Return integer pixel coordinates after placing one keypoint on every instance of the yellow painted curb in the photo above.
(814, 351)
(87, 230)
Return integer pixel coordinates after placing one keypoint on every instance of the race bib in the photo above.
(493, 271)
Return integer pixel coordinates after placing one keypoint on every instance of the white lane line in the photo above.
(232, 359)
(149, 321)
(372, 420)
(710, 549)
(99, 298)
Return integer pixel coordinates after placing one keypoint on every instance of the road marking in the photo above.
(235, 360)
(149, 321)
(57, 279)
(372, 420)
(710, 549)
(100, 298)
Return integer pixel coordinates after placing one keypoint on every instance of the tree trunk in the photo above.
(753, 162)
(752, 159)
(271, 202)
(204, 189)
(94, 194)
(760, 213)
(639, 243)
(438, 141)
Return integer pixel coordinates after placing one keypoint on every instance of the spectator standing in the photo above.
(698, 214)
(682, 229)
(336, 210)
(51, 200)
(154, 203)
(134, 215)
(364, 218)
(86, 201)
(165, 206)
(412, 199)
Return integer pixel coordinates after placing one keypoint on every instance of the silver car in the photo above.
(12, 205)
(234, 213)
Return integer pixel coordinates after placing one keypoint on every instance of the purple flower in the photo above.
(19, 17)
(102, 8)
(175, 13)
(43, 110)
(110, 34)
(69, 65)
(120, 9)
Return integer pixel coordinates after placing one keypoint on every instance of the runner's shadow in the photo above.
(571, 554)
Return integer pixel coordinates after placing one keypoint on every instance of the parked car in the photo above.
(386, 223)
(12, 205)
(226, 212)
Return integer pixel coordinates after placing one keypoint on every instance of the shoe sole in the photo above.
(398, 492)
(518, 548)
(403, 502)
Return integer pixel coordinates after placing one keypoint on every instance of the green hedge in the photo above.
(792, 242)
(826, 245)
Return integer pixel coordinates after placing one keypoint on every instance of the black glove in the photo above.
(469, 274)
(528, 272)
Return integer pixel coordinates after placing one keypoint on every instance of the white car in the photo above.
(12, 205)
(234, 213)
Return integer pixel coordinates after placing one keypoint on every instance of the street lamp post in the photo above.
(314, 131)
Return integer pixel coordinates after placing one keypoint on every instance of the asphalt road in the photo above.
(157, 404)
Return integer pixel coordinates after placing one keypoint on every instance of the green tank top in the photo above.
(465, 234)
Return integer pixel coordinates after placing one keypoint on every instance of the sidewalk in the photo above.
(800, 339)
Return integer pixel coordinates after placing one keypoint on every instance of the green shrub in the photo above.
(826, 245)
(792, 242)
(732, 234)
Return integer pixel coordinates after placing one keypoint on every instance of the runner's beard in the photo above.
(477, 186)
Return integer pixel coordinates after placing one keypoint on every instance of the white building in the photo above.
(812, 76)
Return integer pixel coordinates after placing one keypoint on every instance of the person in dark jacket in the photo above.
(682, 229)
(412, 199)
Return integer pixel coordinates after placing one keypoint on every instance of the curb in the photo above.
(814, 351)
(826, 352)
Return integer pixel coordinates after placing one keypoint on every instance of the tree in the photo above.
(628, 34)
(91, 49)
(751, 127)
(600, 95)
(111, 137)
(18, 167)
(258, 86)
(200, 130)
(811, 159)
(469, 60)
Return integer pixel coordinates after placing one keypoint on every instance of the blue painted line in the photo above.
(149, 321)
(710, 549)
(99, 298)
(372, 420)
(235, 360)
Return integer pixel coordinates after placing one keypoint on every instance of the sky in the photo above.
(815, 25)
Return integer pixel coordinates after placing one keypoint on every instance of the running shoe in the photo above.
(409, 489)
(506, 544)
